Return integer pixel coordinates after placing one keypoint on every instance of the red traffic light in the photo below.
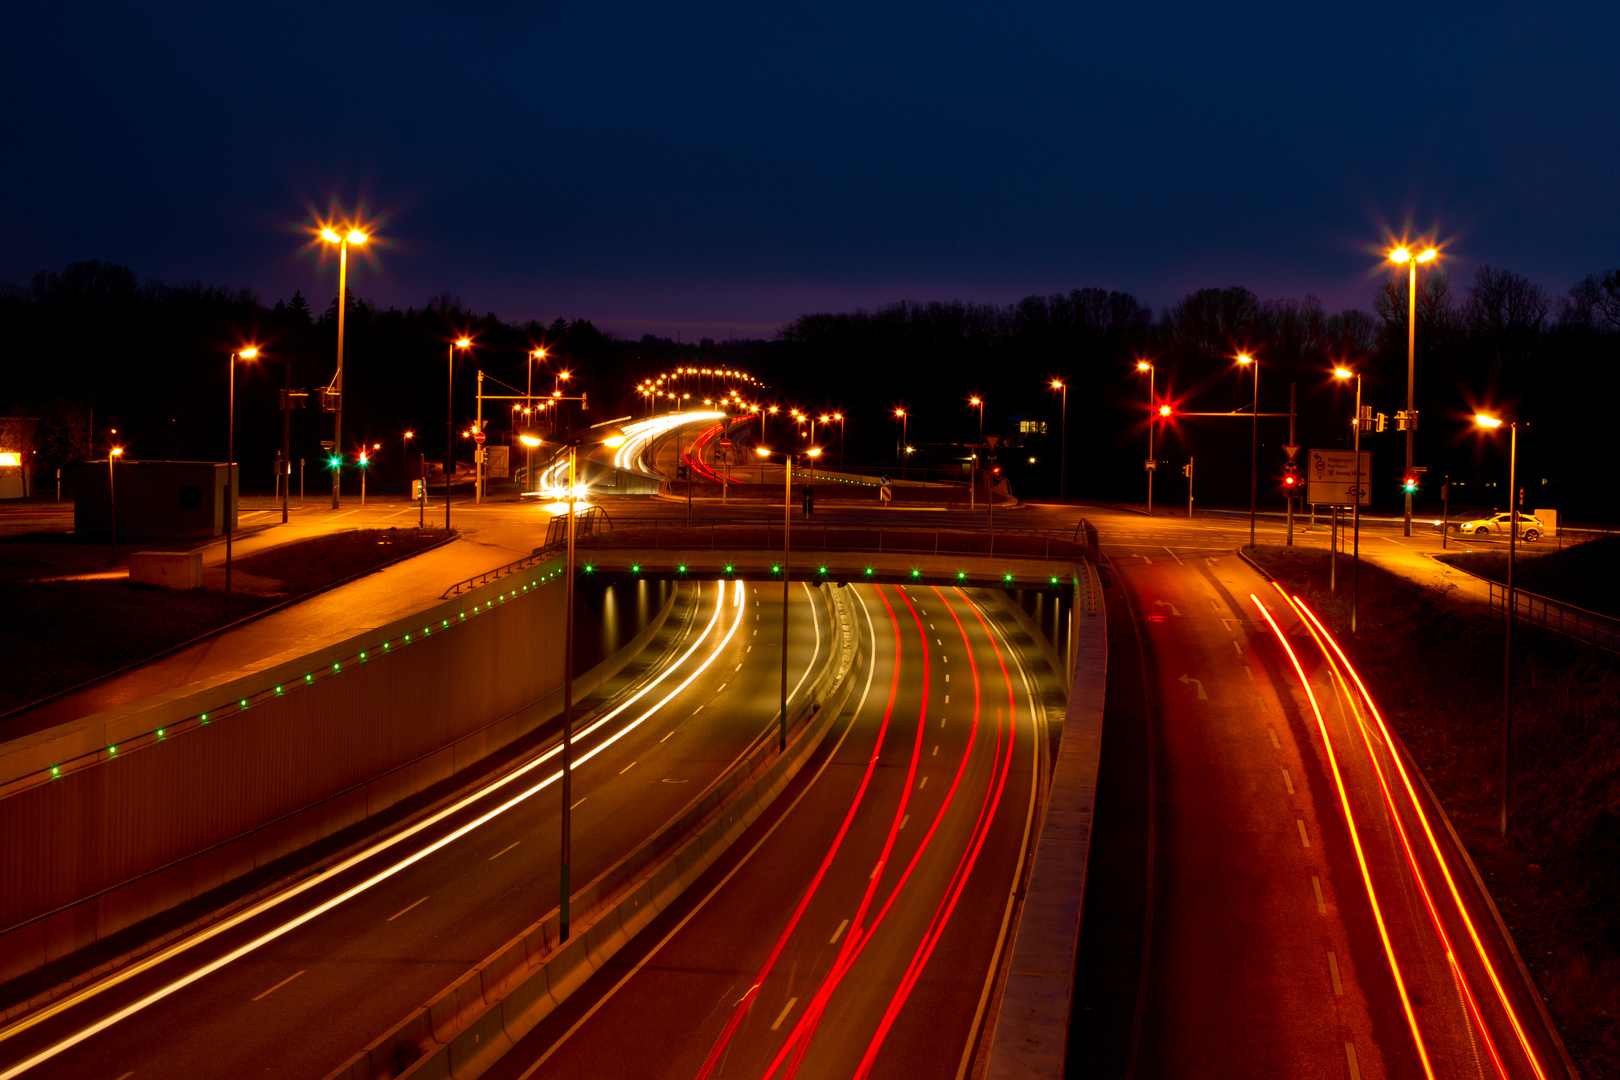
(1290, 481)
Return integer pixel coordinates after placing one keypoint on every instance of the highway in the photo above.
(855, 929)
(1291, 904)
(296, 984)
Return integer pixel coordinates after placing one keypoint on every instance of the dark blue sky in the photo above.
(719, 169)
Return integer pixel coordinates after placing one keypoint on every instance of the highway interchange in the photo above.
(1270, 892)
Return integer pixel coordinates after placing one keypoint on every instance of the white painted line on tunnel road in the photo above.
(838, 933)
(781, 1016)
(504, 850)
(749, 649)
(1333, 970)
(947, 699)
(127, 1075)
(938, 642)
(290, 978)
(947, 676)
(1316, 887)
(397, 914)
(722, 686)
(1303, 837)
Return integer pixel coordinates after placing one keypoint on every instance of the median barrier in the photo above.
(120, 816)
(469, 1025)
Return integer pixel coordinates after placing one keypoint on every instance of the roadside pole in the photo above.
(1292, 387)
(1355, 517)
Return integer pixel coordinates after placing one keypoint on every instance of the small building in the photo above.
(16, 454)
(154, 498)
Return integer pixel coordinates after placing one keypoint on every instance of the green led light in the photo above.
(635, 569)
(244, 703)
(407, 637)
(362, 656)
(463, 615)
(776, 569)
(589, 568)
(822, 569)
(113, 750)
(336, 668)
(446, 622)
(204, 718)
(278, 690)
(309, 678)
(1009, 577)
(728, 569)
(160, 733)
(56, 771)
(868, 569)
(961, 574)
(682, 569)
(387, 647)
(426, 630)
(915, 573)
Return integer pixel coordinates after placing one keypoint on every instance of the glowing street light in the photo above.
(1355, 503)
(1491, 423)
(1402, 255)
(1147, 366)
(1063, 444)
(976, 402)
(450, 425)
(247, 353)
(787, 550)
(903, 418)
(1247, 361)
(113, 454)
(331, 236)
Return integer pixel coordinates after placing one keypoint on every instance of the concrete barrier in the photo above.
(469, 1025)
(166, 569)
(1030, 1038)
(122, 815)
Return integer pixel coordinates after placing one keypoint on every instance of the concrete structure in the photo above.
(166, 569)
(155, 498)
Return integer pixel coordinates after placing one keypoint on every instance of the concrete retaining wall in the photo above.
(124, 814)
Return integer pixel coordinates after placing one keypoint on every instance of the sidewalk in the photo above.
(490, 536)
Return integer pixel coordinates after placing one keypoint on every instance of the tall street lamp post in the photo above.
(1254, 443)
(450, 425)
(787, 551)
(528, 414)
(904, 446)
(1492, 422)
(1147, 366)
(113, 454)
(405, 438)
(1063, 445)
(1355, 504)
(331, 236)
(1402, 255)
(230, 468)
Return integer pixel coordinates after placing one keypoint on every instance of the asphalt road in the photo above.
(855, 929)
(336, 973)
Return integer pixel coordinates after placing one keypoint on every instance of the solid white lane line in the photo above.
(276, 987)
(781, 1016)
(1306, 840)
(1333, 970)
(504, 850)
(1316, 887)
(397, 914)
(838, 933)
(1288, 782)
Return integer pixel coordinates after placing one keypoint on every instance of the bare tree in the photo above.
(1505, 312)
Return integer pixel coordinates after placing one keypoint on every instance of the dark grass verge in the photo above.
(58, 635)
(1436, 672)
(1582, 575)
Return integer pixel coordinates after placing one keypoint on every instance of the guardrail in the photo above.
(540, 555)
(1566, 620)
(1028, 543)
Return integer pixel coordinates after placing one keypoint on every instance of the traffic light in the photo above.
(334, 461)
(1409, 485)
(1381, 422)
(1186, 470)
(362, 459)
(680, 470)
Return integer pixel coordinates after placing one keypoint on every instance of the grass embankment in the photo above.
(58, 634)
(1436, 672)
(1582, 575)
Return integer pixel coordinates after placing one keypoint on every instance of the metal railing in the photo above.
(540, 555)
(1567, 620)
(809, 536)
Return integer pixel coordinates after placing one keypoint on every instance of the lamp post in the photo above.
(1355, 505)
(839, 417)
(331, 236)
(1402, 255)
(113, 454)
(1063, 444)
(528, 410)
(230, 468)
(405, 438)
(1254, 445)
(613, 438)
(787, 551)
(450, 424)
(901, 413)
(1147, 366)
(1491, 423)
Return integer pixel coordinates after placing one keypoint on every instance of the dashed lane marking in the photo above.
(1333, 970)
(1273, 732)
(1288, 782)
(1316, 887)
(390, 918)
(838, 933)
(622, 771)
(781, 1016)
(1303, 838)
(291, 977)
(504, 850)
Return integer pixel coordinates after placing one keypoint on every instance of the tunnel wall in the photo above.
(122, 815)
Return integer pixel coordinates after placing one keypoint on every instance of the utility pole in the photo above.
(1291, 416)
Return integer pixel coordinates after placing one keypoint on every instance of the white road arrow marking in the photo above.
(1168, 604)
(1195, 682)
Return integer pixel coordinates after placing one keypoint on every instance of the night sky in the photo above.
(720, 169)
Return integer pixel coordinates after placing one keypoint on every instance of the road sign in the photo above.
(1291, 451)
(478, 437)
(1150, 465)
(1332, 478)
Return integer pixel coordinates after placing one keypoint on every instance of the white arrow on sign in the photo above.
(1168, 604)
(1195, 682)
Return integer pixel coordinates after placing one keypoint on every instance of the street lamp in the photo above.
(528, 411)
(1492, 423)
(331, 236)
(1355, 503)
(247, 353)
(1147, 366)
(901, 413)
(839, 418)
(1402, 255)
(973, 462)
(450, 425)
(787, 550)
(113, 454)
(1254, 446)
(1063, 445)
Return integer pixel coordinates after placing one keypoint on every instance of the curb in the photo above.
(464, 1030)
